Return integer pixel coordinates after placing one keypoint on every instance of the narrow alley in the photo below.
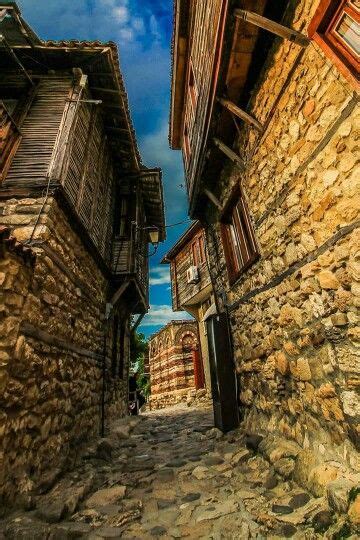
(171, 474)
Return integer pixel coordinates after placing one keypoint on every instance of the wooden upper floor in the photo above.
(65, 128)
(190, 278)
(219, 50)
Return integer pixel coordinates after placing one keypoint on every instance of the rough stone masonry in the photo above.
(294, 314)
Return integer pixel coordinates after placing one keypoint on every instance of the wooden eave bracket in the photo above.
(15, 58)
(235, 158)
(213, 199)
(272, 26)
(236, 111)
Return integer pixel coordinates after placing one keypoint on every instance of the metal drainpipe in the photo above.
(106, 327)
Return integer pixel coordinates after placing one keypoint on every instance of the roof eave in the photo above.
(178, 72)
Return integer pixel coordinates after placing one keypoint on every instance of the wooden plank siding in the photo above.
(39, 130)
(182, 291)
(205, 22)
(89, 179)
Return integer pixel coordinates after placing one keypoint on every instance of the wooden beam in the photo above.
(119, 292)
(234, 109)
(15, 58)
(230, 153)
(116, 129)
(272, 26)
(213, 199)
(106, 90)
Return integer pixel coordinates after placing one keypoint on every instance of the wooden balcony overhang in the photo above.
(153, 198)
(179, 53)
(242, 42)
(99, 61)
(127, 289)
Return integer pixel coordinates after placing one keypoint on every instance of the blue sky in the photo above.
(142, 29)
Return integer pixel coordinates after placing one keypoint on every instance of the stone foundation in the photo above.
(294, 313)
(191, 398)
(51, 351)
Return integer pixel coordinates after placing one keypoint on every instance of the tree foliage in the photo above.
(138, 351)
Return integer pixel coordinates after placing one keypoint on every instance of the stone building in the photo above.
(264, 108)
(175, 366)
(191, 288)
(77, 208)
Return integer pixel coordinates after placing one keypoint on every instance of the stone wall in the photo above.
(171, 363)
(52, 317)
(294, 313)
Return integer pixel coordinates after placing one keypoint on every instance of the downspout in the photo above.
(108, 310)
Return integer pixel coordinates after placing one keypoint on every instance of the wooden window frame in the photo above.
(198, 251)
(240, 258)
(16, 119)
(10, 138)
(186, 147)
(193, 91)
(321, 30)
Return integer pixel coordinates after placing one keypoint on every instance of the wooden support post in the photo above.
(213, 199)
(229, 153)
(234, 109)
(274, 27)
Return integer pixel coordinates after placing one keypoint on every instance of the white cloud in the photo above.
(160, 275)
(126, 34)
(121, 14)
(159, 315)
(154, 27)
(138, 25)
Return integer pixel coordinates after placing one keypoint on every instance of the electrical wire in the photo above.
(178, 223)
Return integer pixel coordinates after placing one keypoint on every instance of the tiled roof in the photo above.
(8, 243)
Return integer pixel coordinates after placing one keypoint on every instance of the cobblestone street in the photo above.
(169, 473)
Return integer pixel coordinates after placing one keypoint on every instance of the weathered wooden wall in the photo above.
(182, 291)
(39, 130)
(205, 20)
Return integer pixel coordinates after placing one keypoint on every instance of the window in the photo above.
(198, 251)
(186, 147)
(336, 29)
(123, 215)
(193, 90)
(238, 237)
(9, 135)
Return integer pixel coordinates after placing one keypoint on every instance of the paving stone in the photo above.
(68, 530)
(176, 463)
(190, 497)
(25, 528)
(106, 496)
(298, 500)
(252, 441)
(281, 509)
(165, 503)
(158, 531)
(106, 532)
(322, 520)
(213, 460)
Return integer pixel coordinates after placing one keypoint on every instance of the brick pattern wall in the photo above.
(294, 314)
(171, 363)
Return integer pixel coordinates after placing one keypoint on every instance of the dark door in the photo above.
(223, 380)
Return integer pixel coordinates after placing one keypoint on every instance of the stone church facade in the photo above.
(265, 109)
(173, 354)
